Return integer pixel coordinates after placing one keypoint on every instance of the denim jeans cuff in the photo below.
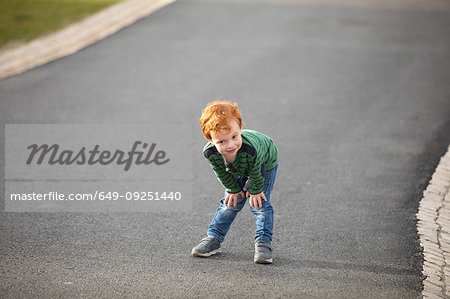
(262, 239)
(215, 236)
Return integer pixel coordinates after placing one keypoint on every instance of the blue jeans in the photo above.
(264, 215)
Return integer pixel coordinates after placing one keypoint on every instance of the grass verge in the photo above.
(24, 20)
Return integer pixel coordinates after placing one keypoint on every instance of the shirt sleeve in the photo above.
(228, 181)
(256, 176)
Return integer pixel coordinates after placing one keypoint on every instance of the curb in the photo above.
(433, 226)
(77, 36)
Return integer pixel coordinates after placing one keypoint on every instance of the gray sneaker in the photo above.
(263, 253)
(207, 247)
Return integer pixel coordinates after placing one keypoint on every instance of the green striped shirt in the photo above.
(257, 154)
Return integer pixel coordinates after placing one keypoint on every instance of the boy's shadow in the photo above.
(282, 262)
(332, 265)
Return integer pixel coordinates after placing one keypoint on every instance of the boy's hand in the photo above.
(255, 200)
(232, 198)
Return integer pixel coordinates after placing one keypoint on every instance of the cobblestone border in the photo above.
(76, 36)
(434, 230)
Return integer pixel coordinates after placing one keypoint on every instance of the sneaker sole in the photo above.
(207, 254)
(263, 261)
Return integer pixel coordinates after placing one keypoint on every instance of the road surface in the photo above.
(356, 98)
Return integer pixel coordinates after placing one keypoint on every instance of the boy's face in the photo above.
(228, 142)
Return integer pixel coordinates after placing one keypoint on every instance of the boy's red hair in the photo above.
(217, 116)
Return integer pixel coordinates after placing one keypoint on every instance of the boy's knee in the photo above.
(265, 206)
(230, 209)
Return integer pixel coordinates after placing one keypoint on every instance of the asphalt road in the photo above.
(357, 99)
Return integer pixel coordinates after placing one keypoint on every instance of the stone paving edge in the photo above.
(433, 226)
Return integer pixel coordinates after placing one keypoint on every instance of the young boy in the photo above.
(245, 162)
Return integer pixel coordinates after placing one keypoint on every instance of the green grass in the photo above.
(24, 20)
